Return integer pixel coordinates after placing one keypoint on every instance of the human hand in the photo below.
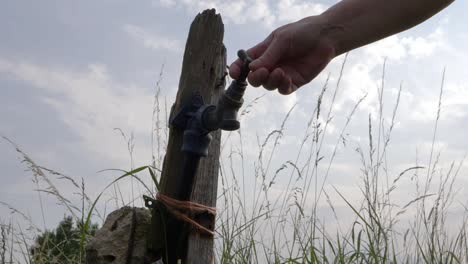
(290, 57)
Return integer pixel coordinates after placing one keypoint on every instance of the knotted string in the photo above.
(180, 210)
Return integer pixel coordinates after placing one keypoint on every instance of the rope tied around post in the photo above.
(180, 210)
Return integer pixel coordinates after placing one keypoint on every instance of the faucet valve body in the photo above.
(224, 116)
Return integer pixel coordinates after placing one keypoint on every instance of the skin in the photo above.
(294, 54)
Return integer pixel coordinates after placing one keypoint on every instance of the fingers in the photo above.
(271, 81)
(266, 55)
(269, 57)
(286, 86)
(254, 53)
(275, 79)
(235, 69)
(289, 89)
(258, 77)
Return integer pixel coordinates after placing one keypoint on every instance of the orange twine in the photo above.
(177, 208)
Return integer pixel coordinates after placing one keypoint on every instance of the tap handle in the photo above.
(242, 54)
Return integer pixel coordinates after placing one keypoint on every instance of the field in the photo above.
(277, 210)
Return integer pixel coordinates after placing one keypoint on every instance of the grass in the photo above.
(288, 227)
(285, 211)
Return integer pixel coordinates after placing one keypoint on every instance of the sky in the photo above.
(71, 72)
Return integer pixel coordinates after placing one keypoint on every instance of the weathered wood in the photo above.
(205, 187)
(202, 71)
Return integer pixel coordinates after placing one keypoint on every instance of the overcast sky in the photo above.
(72, 71)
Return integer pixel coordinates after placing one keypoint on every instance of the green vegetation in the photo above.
(61, 245)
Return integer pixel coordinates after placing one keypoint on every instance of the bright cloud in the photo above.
(422, 47)
(151, 40)
(399, 48)
(293, 10)
(363, 74)
(248, 11)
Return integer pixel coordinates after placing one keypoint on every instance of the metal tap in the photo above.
(224, 116)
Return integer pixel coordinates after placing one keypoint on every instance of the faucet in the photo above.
(224, 116)
(198, 119)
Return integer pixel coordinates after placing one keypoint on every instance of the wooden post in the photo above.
(203, 71)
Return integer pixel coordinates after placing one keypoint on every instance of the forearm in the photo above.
(356, 23)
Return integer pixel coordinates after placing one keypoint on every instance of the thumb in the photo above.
(269, 58)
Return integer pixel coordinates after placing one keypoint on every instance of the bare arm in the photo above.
(294, 54)
(365, 21)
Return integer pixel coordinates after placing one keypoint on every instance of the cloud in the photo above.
(456, 99)
(420, 47)
(397, 48)
(363, 75)
(90, 103)
(252, 11)
(293, 10)
(152, 40)
(167, 3)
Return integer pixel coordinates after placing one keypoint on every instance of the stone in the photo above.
(122, 238)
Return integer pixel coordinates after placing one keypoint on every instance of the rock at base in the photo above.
(122, 238)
